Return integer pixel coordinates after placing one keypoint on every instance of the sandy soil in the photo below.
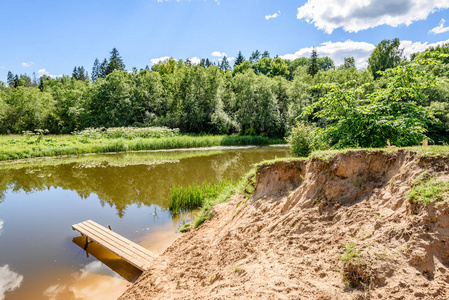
(286, 240)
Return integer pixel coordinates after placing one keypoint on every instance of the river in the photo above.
(41, 257)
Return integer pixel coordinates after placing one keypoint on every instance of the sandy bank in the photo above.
(286, 241)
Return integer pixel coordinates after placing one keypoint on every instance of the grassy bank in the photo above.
(207, 195)
(20, 146)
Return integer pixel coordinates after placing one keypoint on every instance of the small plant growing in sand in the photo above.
(185, 228)
(355, 269)
(428, 189)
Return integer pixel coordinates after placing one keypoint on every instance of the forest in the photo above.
(311, 99)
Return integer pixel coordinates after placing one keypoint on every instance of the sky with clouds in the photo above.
(51, 36)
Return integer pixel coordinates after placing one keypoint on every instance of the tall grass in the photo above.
(20, 147)
(220, 192)
(194, 196)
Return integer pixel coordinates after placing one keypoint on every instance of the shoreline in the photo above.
(50, 158)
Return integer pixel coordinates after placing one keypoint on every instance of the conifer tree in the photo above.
(239, 60)
(94, 74)
(314, 66)
(255, 56)
(10, 79)
(115, 62)
(225, 64)
(102, 72)
(266, 54)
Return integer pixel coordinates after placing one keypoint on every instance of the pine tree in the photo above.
(102, 72)
(313, 67)
(75, 74)
(94, 74)
(10, 79)
(16, 82)
(115, 62)
(207, 64)
(239, 60)
(266, 54)
(82, 74)
(255, 56)
(225, 64)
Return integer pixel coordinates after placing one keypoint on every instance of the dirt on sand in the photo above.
(286, 241)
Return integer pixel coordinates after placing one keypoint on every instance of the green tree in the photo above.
(94, 74)
(255, 56)
(239, 59)
(386, 55)
(115, 62)
(313, 66)
(348, 63)
(266, 54)
(224, 65)
(103, 69)
(326, 63)
(10, 79)
(359, 119)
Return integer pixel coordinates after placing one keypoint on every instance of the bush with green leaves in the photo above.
(301, 139)
(357, 117)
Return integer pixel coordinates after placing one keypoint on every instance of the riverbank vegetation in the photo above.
(194, 196)
(116, 140)
(396, 99)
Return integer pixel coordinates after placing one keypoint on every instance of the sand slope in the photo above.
(286, 240)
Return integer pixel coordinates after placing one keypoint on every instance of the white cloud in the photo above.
(195, 60)
(160, 59)
(440, 28)
(27, 64)
(2, 67)
(1, 226)
(273, 16)
(53, 292)
(218, 54)
(361, 51)
(228, 58)
(9, 281)
(338, 51)
(43, 72)
(410, 47)
(356, 15)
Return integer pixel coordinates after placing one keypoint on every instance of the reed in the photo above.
(19, 147)
(193, 196)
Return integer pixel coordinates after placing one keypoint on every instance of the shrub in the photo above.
(355, 269)
(301, 138)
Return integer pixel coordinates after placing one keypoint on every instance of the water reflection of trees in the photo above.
(144, 183)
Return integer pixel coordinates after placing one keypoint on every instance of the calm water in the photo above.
(41, 257)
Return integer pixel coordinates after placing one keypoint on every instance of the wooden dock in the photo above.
(134, 254)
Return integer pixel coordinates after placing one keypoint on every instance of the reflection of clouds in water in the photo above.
(94, 281)
(97, 267)
(53, 291)
(1, 226)
(9, 280)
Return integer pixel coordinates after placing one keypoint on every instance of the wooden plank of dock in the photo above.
(129, 251)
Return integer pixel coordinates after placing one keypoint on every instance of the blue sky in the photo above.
(51, 37)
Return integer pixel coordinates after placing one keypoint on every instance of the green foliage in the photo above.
(301, 139)
(313, 66)
(428, 189)
(97, 141)
(355, 270)
(357, 118)
(386, 55)
(193, 196)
